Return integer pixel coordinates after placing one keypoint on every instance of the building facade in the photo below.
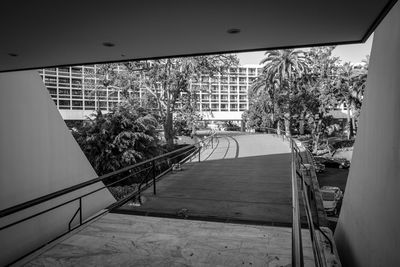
(77, 93)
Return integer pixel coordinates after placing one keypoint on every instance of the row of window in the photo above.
(104, 105)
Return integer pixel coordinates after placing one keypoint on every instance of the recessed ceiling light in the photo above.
(13, 55)
(233, 31)
(108, 44)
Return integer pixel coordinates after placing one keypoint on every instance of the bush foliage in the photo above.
(122, 137)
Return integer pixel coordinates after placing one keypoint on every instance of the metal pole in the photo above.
(154, 176)
(297, 250)
(199, 153)
(80, 211)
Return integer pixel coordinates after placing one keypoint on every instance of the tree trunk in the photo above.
(287, 124)
(278, 127)
(169, 131)
(301, 130)
(354, 125)
(287, 127)
(193, 132)
(317, 134)
(349, 124)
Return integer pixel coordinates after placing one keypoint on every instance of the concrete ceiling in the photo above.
(52, 33)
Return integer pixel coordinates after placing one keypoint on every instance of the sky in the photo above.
(352, 53)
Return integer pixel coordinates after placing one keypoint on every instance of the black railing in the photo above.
(145, 174)
(306, 190)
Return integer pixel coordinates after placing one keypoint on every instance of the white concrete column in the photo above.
(368, 231)
(38, 156)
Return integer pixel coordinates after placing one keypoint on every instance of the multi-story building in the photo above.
(77, 92)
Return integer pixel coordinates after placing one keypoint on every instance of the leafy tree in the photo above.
(122, 137)
(282, 69)
(168, 79)
(166, 83)
(258, 115)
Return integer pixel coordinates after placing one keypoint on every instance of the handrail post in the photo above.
(199, 152)
(80, 211)
(297, 249)
(154, 176)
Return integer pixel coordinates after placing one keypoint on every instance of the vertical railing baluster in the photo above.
(154, 176)
(199, 152)
(80, 211)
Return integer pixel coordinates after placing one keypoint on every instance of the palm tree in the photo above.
(350, 90)
(281, 71)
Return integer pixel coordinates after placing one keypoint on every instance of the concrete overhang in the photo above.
(53, 33)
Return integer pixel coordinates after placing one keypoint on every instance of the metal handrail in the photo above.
(79, 210)
(297, 162)
(39, 200)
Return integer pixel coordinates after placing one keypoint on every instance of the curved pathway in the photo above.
(241, 178)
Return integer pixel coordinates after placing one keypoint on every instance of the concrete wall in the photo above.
(38, 156)
(222, 115)
(368, 232)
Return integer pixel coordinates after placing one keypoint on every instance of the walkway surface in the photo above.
(241, 178)
(126, 240)
(242, 181)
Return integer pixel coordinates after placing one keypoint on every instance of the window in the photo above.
(64, 82)
(205, 106)
(77, 94)
(205, 97)
(50, 81)
(242, 70)
(77, 104)
(50, 71)
(214, 107)
(252, 71)
(64, 92)
(89, 105)
(52, 91)
(103, 104)
(224, 107)
(224, 79)
(77, 72)
(242, 80)
(243, 89)
(64, 104)
(233, 79)
(233, 89)
(224, 88)
(242, 107)
(233, 97)
(234, 107)
(224, 97)
(63, 71)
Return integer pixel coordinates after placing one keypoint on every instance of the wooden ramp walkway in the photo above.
(242, 179)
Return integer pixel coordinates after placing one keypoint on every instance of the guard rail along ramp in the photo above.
(144, 174)
(301, 188)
